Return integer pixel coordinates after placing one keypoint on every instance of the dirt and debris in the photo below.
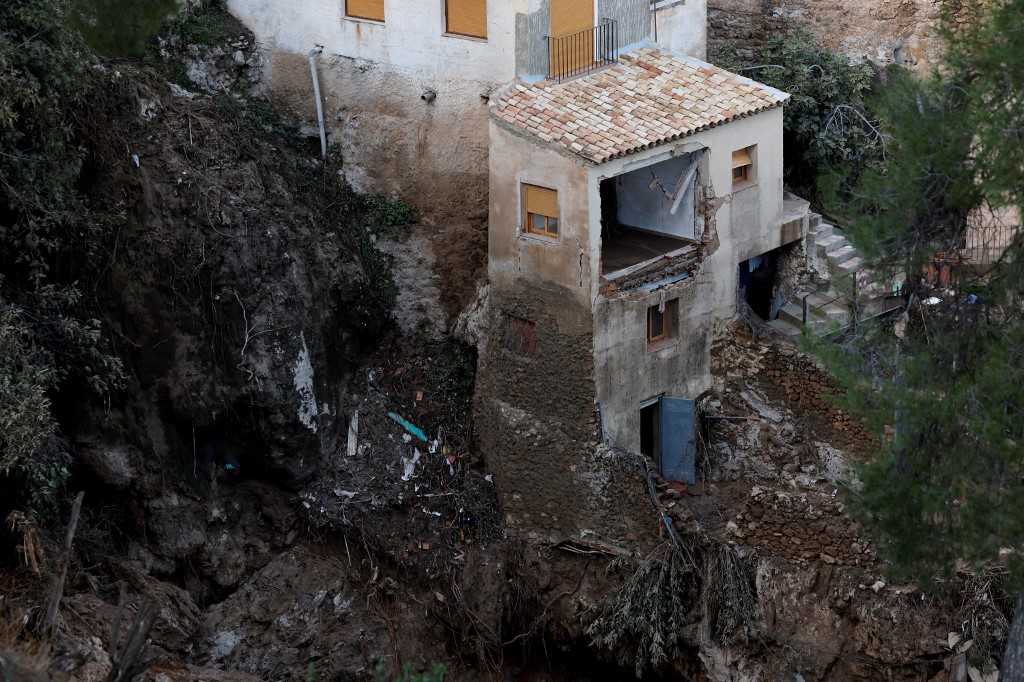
(293, 479)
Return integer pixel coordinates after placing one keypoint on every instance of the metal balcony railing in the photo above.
(583, 52)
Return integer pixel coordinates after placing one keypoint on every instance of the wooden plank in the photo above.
(467, 17)
(365, 9)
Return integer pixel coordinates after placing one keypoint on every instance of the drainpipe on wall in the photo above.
(313, 54)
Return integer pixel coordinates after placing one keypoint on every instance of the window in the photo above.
(365, 9)
(742, 167)
(661, 322)
(540, 211)
(466, 17)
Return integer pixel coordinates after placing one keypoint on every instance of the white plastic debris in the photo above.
(409, 465)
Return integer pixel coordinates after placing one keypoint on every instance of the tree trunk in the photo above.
(1013, 658)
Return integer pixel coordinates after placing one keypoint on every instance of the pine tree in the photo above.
(947, 381)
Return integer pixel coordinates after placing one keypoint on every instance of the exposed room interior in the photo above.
(649, 212)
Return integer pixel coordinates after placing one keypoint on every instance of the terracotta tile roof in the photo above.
(650, 97)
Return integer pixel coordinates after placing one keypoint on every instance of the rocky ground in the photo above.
(290, 486)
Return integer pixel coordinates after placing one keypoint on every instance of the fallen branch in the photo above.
(57, 592)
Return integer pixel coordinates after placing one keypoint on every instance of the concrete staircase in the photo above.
(829, 308)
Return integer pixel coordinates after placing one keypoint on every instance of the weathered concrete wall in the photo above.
(683, 27)
(632, 16)
(534, 413)
(883, 31)
(373, 76)
(629, 373)
(513, 254)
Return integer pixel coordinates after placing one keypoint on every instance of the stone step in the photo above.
(841, 255)
(829, 242)
(849, 266)
(792, 312)
(821, 312)
(787, 329)
(824, 230)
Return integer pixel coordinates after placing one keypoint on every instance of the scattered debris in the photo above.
(408, 426)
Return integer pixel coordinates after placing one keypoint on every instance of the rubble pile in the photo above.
(793, 378)
(803, 527)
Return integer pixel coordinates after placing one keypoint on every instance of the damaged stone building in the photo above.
(634, 192)
(629, 208)
(407, 83)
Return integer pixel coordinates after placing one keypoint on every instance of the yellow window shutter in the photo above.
(741, 158)
(571, 16)
(542, 201)
(467, 17)
(365, 9)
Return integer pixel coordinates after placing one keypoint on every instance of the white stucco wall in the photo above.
(411, 39)
(373, 75)
(683, 27)
(514, 256)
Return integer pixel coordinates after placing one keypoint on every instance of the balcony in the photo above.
(580, 53)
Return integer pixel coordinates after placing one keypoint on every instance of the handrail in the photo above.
(582, 52)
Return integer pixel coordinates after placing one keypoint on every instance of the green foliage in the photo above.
(25, 420)
(948, 482)
(121, 28)
(51, 238)
(209, 25)
(827, 121)
(386, 215)
(925, 188)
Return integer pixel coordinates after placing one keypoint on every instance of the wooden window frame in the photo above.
(528, 227)
(359, 17)
(669, 317)
(747, 174)
(458, 34)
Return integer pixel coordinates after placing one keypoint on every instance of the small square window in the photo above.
(743, 167)
(540, 211)
(661, 322)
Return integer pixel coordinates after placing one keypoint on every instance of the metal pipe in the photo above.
(313, 54)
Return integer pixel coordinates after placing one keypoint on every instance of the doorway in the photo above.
(650, 427)
(668, 436)
(757, 280)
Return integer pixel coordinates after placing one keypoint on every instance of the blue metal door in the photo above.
(679, 440)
